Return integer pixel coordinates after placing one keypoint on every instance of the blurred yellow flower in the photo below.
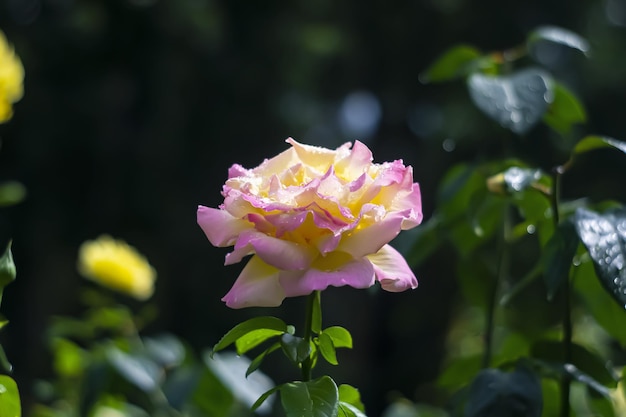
(116, 265)
(11, 79)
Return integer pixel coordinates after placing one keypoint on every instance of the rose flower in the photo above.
(313, 217)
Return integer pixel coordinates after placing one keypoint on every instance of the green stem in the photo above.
(313, 302)
(503, 269)
(567, 307)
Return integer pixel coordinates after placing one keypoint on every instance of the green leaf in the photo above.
(494, 393)
(70, 359)
(296, 348)
(165, 349)
(10, 405)
(138, 370)
(11, 192)
(454, 63)
(327, 349)
(4, 361)
(7, 269)
(459, 372)
(340, 336)
(600, 405)
(212, 397)
(240, 330)
(256, 362)
(604, 236)
(565, 111)
(582, 359)
(516, 179)
(593, 142)
(559, 36)
(265, 396)
(598, 302)
(557, 256)
(558, 370)
(254, 338)
(516, 101)
(350, 395)
(348, 410)
(317, 398)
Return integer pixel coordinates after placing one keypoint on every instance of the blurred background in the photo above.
(135, 109)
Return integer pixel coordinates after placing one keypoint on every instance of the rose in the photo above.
(314, 217)
(116, 265)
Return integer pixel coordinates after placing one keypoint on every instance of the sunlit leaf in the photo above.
(557, 256)
(495, 393)
(604, 236)
(350, 395)
(296, 348)
(69, 358)
(454, 63)
(560, 36)
(317, 398)
(254, 338)
(327, 349)
(599, 404)
(4, 361)
(592, 142)
(565, 111)
(10, 405)
(266, 322)
(516, 101)
(340, 336)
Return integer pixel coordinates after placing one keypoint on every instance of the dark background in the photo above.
(134, 110)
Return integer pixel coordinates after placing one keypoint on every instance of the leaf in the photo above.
(582, 359)
(4, 361)
(211, 396)
(340, 336)
(515, 101)
(598, 303)
(165, 349)
(453, 63)
(254, 338)
(256, 362)
(565, 111)
(327, 349)
(317, 398)
(11, 192)
(514, 179)
(557, 256)
(560, 36)
(10, 405)
(350, 404)
(138, 370)
(593, 142)
(7, 268)
(494, 393)
(296, 348)
(265, 396)
(265, 322)
(604, 236)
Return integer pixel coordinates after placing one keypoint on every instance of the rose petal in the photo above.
(370, 239)
(357, 273)
(279, 253)
(392, 271)
(219, 226)
(256, 286)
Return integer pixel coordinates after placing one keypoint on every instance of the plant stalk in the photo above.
(503, 270)
(567, 307)
(312, 300)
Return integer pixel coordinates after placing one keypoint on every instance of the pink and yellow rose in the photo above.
(314, 217)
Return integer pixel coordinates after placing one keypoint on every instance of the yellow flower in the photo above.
(11, 79)
(118, 266)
